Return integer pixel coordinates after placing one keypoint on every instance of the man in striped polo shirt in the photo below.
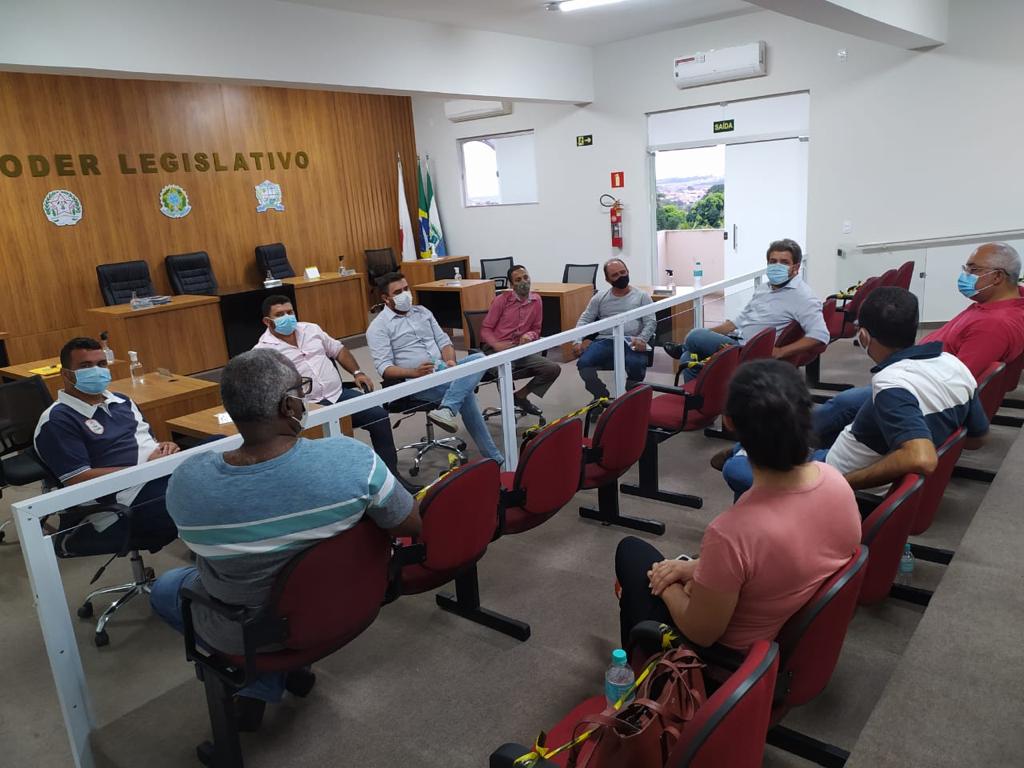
(247, 512)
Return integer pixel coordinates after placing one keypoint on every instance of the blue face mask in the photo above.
(967, 284)
(286, 324)
(777, 274)
(92, 381)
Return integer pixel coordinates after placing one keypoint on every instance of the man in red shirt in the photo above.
(514, 319)
(990, 330)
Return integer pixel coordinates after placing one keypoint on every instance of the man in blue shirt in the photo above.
(90, 432)
(786, 298)
(246, 513)
(920, 396)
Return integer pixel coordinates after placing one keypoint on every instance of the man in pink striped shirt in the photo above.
(514, 319)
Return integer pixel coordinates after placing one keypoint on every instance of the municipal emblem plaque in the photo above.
(174, 202)
(268, 195)
(62, 207)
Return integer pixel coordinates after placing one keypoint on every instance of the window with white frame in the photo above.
(499, 169)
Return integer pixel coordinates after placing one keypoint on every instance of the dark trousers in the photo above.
(378, 424)
(541, 371)
(633, 559)
(151, 526)
(600, 356)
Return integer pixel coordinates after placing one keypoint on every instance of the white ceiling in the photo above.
(530, 19)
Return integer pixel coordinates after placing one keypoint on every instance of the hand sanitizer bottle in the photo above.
(135, 368)
(108, 353)
(458, 276)
(671, 285)
(135, 302)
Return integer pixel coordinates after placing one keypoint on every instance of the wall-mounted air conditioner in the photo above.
(462, 110)
(720, 65)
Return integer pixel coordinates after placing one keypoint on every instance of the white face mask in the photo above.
(304, 419)
(403, 301)
(864, 345)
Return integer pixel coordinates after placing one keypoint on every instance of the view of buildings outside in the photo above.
(691, 188)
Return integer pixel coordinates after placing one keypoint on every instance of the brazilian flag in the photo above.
(424, 215)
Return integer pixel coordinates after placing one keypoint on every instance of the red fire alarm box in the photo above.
(618, 179)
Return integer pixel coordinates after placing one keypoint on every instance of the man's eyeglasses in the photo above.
(977, 269)
(304, 387)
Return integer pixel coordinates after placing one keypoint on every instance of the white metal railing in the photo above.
(41, 561)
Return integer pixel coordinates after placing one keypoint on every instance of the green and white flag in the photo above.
(435, 243)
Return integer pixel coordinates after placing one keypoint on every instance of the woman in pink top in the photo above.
(763, 558)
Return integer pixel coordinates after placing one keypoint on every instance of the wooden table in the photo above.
(204, 424)
(163, 398)
(563, 304)
(337, 303)
(672, 324)
(428, 270)
(53, 381)
(185, 335)
(4, 357)
(448, 301)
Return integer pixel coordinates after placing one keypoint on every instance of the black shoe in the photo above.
(527, 407)
(299, 682)
(673, 350)
(249, 713)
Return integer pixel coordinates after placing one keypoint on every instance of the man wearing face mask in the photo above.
(406, 343)
(919, 396)
(784, 299)
(246, 513)
(599, 354)
(990, 330)
(313, 352)
(90, 432)
(513, 319)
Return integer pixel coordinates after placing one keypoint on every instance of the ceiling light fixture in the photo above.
(578, 5)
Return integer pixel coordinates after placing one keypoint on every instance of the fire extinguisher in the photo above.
(615, 214)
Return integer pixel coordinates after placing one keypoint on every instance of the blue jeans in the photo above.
(166, 601)
(829, 419)
(703, 343)
(600, 355)
(739, 476)
(460, 397)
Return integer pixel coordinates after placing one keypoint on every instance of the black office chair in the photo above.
(22, 402)
(379, 262)
(191, 273)
(408, 406)
(273, 258)
(496, 270)
(580, 273)
(119, 281)
(475, 321)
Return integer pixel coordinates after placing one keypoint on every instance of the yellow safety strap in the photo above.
(453, 464)
(531, 432)
(695, 361)
(848, 293)
(539, 751)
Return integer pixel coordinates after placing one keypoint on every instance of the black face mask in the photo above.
(621, 282)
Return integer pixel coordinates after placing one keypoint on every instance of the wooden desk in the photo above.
(563, 304)
(337, 303)
(54, 382)
(184, 335)
(203, 424)
(673, 324)
(428, 270)
(448, 302)
(4, 357)
(161, 399)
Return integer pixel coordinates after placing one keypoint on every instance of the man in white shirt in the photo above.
(313, 352)
(406, 342)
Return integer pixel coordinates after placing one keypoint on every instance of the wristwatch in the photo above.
(358, 372)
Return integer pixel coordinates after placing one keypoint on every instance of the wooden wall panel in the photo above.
(343, 203)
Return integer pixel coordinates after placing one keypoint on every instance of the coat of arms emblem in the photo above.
(62, 207)
(268, 195)
(174, 202)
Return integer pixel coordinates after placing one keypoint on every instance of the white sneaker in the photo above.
(445, 419)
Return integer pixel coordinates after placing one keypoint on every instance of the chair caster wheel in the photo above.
(85, 610)
(462, 445)
(101, 638)
(205, 753)
(3, 535)
(413, 471)
(149, 573)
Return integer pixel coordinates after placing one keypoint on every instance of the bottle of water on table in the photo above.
(698, 274)
(618, 679)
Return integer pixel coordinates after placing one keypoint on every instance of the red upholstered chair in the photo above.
(617, 445)
(727, 731)
(809, 647)
(884, 532)
(546, 478)
(460, 518)
(935, 483)
(759, 347)
(694, 406)
(1011, 380)
(991, 388)
(794, 332)
(852, 307)
(904, 275)
(888, 278)
(297, 619)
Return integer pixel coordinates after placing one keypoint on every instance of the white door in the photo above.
(765, 200)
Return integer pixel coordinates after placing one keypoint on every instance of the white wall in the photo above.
(263, 41)
(903, 144)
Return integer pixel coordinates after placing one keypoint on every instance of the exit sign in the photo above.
(724, 126)
(585, 141)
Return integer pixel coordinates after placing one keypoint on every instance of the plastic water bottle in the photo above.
(341, 266)
(135, 368)
(905, 574)
(618, 679)
(698, 274)
(458, 276)
(135, 302)
(108, 353)
(671, 285)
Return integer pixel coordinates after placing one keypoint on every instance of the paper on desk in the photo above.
(223, 418)
(46, 370)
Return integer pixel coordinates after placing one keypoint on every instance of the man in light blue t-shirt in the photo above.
(246, 513)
